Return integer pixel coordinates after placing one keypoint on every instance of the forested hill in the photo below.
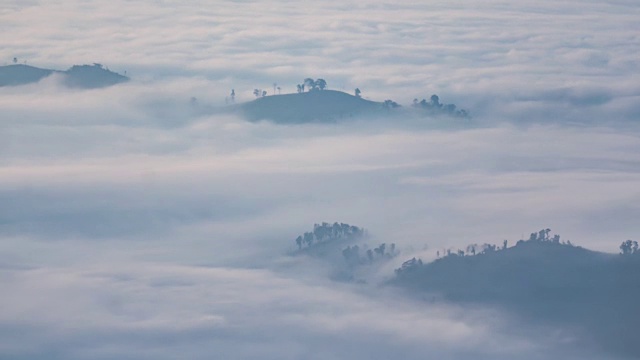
(78, 76)
(542, 280)
(318, 105)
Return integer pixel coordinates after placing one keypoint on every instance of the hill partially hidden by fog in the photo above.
(544, 281)
(78, 76)
(320, 105)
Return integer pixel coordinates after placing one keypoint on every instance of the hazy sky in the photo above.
(133, 228)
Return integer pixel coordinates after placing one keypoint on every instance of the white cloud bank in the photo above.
(133, 228)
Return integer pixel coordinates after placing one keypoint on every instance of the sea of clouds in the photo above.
(136, 225)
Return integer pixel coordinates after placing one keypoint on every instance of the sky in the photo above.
(133, 227)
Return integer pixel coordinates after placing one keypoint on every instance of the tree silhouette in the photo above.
(357, 92)
(380, 249)
(409, 265)
(325, 232)
(435, 101)
(390, 104)
(370, 255)
(629, 247)
(256, 92)
(321, 84)
(472, 249)
(308, 238)
(310, 84)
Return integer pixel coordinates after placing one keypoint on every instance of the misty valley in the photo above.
(322, 180)
(543, 280)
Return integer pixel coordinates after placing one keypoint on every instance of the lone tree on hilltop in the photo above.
(435, 101)
(629, 247)
(321, 84)
(310, 84)
(357, 92)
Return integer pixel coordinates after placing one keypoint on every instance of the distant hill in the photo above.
(318, 105)
(327, 240)
(78, 76)
(544, 281)
(13, 75)
(92, 76)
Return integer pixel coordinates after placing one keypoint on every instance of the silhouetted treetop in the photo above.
(325, 232)
(629, 247)
(434, 107)
(542, 280)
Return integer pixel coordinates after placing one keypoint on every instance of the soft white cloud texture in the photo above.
(135, 226)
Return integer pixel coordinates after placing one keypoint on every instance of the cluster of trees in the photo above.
(408, 266)
(543, 236)
(390, 104)
(326, 232)
(473, 249)
(434, 106)
(311, 85)
(259, 93)
(629, 247)
(352, 255)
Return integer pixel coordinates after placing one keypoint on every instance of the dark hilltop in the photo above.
(313, 102)
(544, 281)
(78, 76)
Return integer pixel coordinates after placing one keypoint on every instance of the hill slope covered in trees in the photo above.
(546, 281)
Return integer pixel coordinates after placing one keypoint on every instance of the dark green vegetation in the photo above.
(543, 280)
(78, 76)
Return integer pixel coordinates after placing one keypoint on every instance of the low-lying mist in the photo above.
(137, 226)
